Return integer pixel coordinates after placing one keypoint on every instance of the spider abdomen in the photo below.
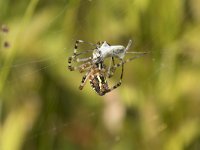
(99, 84)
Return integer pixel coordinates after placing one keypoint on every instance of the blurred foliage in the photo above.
(157, 105)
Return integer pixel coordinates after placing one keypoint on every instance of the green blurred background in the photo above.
(155, 108)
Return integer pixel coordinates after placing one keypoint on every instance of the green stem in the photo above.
(8, 61)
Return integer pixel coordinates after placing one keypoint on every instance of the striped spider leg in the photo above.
(75, 59)
(88, 61)
(97, 77)
(113, 67)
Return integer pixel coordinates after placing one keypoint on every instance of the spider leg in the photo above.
(113, 63)
(120, 81)
(75, 54)
(89, 43)
(108, 73)
(113, 60)
(85, 66)
(123, 62)
(81, 68)
(84, 80)
(74, 59)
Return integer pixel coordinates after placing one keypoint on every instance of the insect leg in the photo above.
(137, 52)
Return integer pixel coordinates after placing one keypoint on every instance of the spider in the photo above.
(94, 66)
